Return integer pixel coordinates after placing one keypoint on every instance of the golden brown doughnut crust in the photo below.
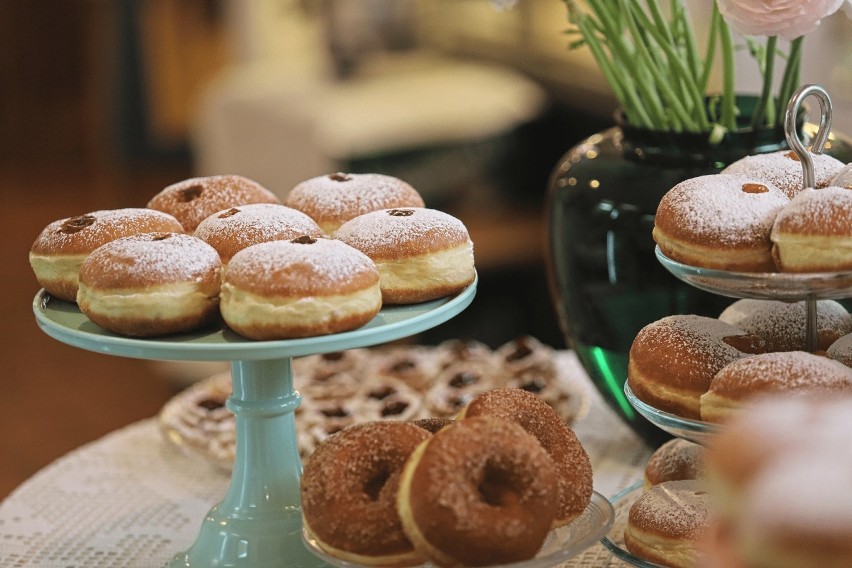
(73, 238)
(673, 360)
(573, 468)
(151, 284)
(478, 492)
(784, 170)
(193, 200)
(333, 199)
(676, 460)
(349, 490)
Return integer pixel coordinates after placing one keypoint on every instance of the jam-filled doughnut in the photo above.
(192, 200)
(422, 254)
(151, 284)
(478, 492)
(666, 522)
(719, 221)
(790, 372)
(814, 232)
(334, 199)
(782, 324)
(676, 460)
(299, 288)
(841, 350)
(673, 360)
(234, 229)
(349, 493)
(573, 468)
(60, 249)
(784, 170)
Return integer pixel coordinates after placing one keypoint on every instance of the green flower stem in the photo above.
(691, 46)
(710, 54)
(729, 103)
(790, 79)
(764, 107)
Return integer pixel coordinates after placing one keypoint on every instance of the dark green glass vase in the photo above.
(605, 280)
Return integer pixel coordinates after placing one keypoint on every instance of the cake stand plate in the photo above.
(697, 431)
(258, 524)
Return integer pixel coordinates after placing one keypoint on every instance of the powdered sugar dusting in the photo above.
(416, 229)
(784, 371)
(841, 350)
(680, 509)
(716, 209)
(784, 170)
(825, 211)
(676, 460)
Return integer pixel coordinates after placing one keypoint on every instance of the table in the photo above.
(131, 499)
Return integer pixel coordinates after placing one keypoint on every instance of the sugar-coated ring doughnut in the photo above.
(676, 460)
(421, 254)
(60, 249)
(478, 492)
(236, 228)
(349, 489)
(333, 199)
(573, 468)
(193, 200)
(151, 284)
(299, 288)
(666, 522)
(784, 170)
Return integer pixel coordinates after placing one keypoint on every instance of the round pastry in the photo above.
(843, 178)
(666, 522)
(300, 288)
(841, 350)
(676, 460)
(814, 232)
(782, 324)
(719, 221)
(422, 254)
(455, 350)
(478, 492)
(526, 353)
(193, 200)
(349, 490)
(673, 360)
(333, 199)
(790, 372)
(321, 384)
(415, 366)
(784, 170)
(351, 361)
(151, 284)
(386, 398)
(60, 249)
(455, 386)
(234, 229)
(799, 512)
(573, 468)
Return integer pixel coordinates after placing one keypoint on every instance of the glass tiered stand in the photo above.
(258, 523)
(791, 287)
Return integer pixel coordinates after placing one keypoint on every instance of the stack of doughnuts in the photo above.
(481, 490)
(283, 275)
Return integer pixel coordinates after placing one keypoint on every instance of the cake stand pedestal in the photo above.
(258, 523)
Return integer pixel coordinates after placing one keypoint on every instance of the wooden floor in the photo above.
(53, 397)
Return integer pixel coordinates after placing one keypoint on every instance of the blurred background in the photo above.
(105, 102)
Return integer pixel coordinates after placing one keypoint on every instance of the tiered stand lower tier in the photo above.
(258, 523)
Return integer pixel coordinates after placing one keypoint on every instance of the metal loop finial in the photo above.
(821, 136)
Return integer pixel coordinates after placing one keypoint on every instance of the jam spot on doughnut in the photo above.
(745, 343)
(340, 177)
(464, 379)
(76, 224)
(400, 212)
(755, 188)
(394, 408)
(382, 393)
(304, 240)
(211, 403)
(792, 155)
(374, 485)
(229, 213)
(187, 194)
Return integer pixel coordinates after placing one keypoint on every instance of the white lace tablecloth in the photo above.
(131, 499)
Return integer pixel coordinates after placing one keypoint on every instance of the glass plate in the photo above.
(614, 539)
(696, 431)
(561, 544)
(786, 286)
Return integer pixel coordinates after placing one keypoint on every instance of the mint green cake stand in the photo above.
(259, 521)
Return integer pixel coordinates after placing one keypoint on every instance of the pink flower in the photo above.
(787, 19)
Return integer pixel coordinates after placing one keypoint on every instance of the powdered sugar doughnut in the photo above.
(841, 350)
(234, 229)
(676, 460)
(299, 288)
(784, 170)
(789, 372)
(193, 200)
(422, 254)
(60, 249)
(151, 284)
(814, 232)
(719, 221)
(782, 324)
(673, 360)
(333, 199)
